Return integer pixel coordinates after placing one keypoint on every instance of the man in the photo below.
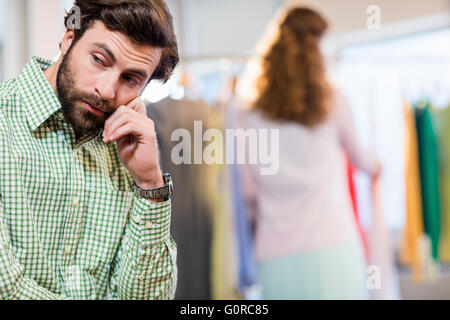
(85, 208)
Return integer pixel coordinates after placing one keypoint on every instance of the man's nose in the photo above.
(106, 88)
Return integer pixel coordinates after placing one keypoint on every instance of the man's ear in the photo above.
(67, 41)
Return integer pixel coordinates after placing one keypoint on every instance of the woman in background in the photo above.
(306, 237)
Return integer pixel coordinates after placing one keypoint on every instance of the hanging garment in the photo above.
(225, 255)
(224, 273)
(247, 261)
(409, 253)
(430, 266)
(441, 123)
(429, 175)
(352, 188)
(382, 260)
(383, 278)
(193, 202)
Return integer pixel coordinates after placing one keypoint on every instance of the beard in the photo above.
(71, 98)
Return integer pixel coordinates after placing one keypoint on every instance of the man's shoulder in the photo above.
(9, 99)
(8, 94)
(8, 88)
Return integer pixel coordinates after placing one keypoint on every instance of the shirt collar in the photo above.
(40, 99)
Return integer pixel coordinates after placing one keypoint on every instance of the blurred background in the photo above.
(406, 61)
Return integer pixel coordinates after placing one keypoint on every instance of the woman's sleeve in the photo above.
(360, 159)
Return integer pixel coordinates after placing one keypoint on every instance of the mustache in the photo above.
(95, 102)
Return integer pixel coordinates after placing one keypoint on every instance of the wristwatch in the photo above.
(165, 192)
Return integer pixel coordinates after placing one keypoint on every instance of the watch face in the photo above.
(167, 177)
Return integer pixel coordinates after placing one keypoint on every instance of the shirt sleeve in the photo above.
(14, 284)
(359, 158)
(145, 267)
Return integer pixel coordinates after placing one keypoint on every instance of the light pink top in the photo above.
(306, 206)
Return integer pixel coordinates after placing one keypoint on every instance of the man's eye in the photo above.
(97, 60)
(130, 80)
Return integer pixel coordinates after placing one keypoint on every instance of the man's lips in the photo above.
(93, 109)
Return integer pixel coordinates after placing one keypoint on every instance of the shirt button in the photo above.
(67, 250)
(141, 278)
(149, 225)
(75, 201)
(137, 219)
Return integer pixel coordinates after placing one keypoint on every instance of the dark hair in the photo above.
(293, 84)
(145, 22)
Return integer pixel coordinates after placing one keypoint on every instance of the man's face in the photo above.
(99, 73)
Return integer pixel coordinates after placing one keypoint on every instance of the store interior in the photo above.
(404, 62)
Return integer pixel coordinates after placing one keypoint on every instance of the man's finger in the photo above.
(119, 111)
(117, 123)
(137, 105)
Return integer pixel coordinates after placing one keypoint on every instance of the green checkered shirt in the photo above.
(70, 225)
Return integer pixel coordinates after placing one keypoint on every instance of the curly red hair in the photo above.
(293, 84)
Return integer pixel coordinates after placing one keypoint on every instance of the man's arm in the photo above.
(13, 282)
(146, 262)
(145, 266)
(14, 285)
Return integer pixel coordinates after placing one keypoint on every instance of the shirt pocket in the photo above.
(106, 216)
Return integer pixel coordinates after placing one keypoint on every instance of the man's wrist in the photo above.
(152, 201)
(149, 190)
(151, 184)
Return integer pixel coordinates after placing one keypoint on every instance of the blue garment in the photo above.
(247, 263)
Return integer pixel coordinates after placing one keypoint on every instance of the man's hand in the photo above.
(136, 141)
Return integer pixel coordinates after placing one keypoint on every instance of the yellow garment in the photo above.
(224, 264)
(414, 229)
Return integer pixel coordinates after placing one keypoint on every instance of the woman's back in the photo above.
(306, 236)
(306, 205)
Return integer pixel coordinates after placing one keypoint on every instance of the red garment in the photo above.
(351, 184)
